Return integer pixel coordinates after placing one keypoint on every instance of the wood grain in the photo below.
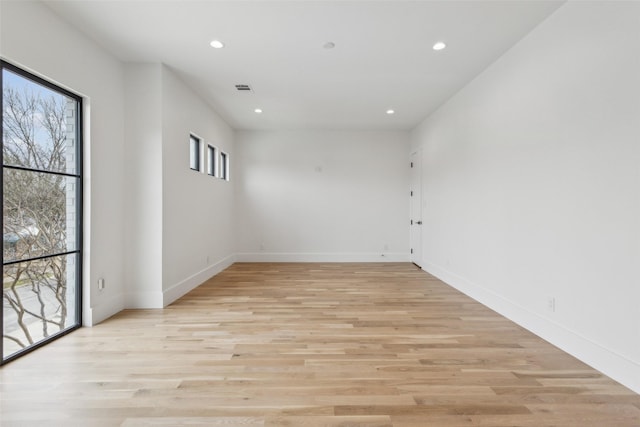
(311, 345)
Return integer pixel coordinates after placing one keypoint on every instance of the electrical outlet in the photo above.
(551, 304)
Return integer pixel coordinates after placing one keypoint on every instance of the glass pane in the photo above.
(38, 301)
(39, 214)
(223, 166)
(194, 154)
(212, 161)
(39, 126)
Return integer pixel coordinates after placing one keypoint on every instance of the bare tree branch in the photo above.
(16, 340)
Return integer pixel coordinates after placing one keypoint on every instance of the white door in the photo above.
(415, 206)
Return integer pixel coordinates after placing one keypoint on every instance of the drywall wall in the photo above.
(322, 196)
(198, 221)
(180, 222)
(531, 185)
(137, 123)
(32, 37)
(143, 171)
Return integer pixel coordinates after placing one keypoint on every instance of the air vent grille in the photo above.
(243, 88)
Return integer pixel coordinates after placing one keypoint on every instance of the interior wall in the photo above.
(322, 195)
(133, 231)
(198, 209)
(180, 225)
(143, 171)
(531, 185)
(32, 37)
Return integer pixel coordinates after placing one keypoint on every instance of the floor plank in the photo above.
(311, 345)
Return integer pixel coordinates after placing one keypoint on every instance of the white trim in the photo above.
(144, 299)
(223, 165)
(96, 314)
(322, 257)
(201, 153)
(179, 289)
(614, 365)
(212, 162)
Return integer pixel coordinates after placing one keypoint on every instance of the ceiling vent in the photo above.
(244, 88)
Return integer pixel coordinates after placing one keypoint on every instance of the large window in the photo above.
(42, 211)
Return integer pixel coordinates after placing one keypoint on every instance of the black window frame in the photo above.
(78, 175)
(212, 151)
(194, 155)
(224, 166)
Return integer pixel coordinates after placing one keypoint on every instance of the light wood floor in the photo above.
(311, 345)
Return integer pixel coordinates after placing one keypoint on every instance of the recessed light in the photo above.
(390, 112)
(216, 44)
(329, 45)
(258, 110)
(439, 46)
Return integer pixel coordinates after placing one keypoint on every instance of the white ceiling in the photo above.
(383, 57)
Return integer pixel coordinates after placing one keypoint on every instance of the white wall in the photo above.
(322, 196)
(531, 185)
(143, 171)
(153, 228)
(179, 222)
(32, 37)
(198, 221)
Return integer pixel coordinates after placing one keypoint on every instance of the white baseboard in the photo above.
(616, 366)
(160, 299)
(93, 315)
(321, 257)
(144, 299)
(179, 289)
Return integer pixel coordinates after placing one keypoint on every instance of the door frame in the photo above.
(415, 207)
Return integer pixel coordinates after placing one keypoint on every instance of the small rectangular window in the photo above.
(211, 158)
(224, 166)
(194, 153)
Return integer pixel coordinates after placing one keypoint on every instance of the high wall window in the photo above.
(194, 153)
(224, 166)
(42, 211)
(211, 160)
